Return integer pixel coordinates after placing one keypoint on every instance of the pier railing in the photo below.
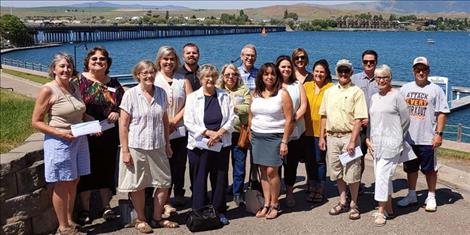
(25, 64)
(459, 130)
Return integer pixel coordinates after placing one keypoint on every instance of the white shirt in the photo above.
(268, 116)
(176, 94)
(194, 117)
(146, 124)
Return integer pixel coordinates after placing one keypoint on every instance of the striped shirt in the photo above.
(146, 124)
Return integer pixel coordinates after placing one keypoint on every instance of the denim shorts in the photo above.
(65, 160)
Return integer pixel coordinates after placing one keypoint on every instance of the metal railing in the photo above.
(457, 130)
(25, 64)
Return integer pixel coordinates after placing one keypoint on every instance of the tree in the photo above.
(286, 13)
(11, 28)
(167, 15)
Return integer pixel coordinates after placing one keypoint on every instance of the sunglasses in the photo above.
(98, 58)
(368, 61)
(300, 58)
(344, 70)
(418, 69)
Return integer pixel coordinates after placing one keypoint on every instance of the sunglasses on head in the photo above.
(300, 58)
(344, 70)
(98, 58)
(368, 61)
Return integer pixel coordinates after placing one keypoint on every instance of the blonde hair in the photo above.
(207, 69)
(221, 83)
(143, 64)
(383, 69)
(165, 51)
(58, 57)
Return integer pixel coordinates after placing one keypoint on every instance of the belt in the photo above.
(338, 133)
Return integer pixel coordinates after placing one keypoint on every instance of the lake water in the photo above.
(449, 55)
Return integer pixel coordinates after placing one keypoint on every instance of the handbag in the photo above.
(254, 199)
(244, 138)
(203, 219)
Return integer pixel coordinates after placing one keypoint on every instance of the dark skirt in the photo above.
(266, 148)
(103, 159)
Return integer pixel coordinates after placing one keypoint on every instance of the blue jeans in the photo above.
(238, 165)
(320, 162)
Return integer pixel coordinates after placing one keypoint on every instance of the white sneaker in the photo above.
(408, 200)
(431, 205)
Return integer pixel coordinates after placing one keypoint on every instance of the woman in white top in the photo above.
(299, 105)
(270, 119)
(176, 88)
(145, 146)
(389, 122)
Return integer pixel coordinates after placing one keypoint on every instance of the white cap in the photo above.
(420, 60)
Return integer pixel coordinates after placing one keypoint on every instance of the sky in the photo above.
(214, 4)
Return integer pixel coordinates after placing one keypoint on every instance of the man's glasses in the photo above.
(300, 58)
(368, 61)
(98, 58)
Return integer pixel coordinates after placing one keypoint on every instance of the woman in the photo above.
(271, 124)
(315, 90)
(389, 122)
(102, 96)
(176, 88)
(145, 146)
(300, 60)
(66, 157)
(209, 118)
(299, 106)
(239, 93)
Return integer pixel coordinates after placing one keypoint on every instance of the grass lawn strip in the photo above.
(28, 76)
(15, 119)
(450, 153)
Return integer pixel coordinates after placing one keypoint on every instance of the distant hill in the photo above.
(420, 6)
(129, 6)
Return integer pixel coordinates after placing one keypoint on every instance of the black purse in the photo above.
(203, 219)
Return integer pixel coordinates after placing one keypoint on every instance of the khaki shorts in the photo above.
(151, 168)
(336, 145)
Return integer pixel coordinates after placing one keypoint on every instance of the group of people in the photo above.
(183, 111)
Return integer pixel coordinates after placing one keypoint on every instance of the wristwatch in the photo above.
(438, 133)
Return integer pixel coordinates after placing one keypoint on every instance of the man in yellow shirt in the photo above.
(342, 110)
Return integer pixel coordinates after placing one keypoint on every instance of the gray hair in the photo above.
(143, 64)
(248, 46)
(165, 51)
(221, 82)
(383, 69)
(57, 57)
(207, 69)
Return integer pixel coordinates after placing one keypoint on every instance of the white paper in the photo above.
(345, 157)
(105, 125)
(407, 154)
(202, 144)
(179, 132)
(86, 128)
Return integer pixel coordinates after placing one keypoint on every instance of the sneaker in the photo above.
(408, 200)
(238, 200)
(223, 220)
(431, 205)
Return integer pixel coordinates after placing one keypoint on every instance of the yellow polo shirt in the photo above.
(342, 105)
(312, 117)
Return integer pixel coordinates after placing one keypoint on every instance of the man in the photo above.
(427, 104)
(190, 66)
(366, 81)
(247, 69)
(342, 110)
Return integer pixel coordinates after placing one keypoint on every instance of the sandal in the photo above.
(338, 209)
(318, 197)
(260, 213)
(109, 214)
(354, 213)
(274, 210)
(67, 231)
(163, 223)
(380, 219)
(143, 227)
(168, 211)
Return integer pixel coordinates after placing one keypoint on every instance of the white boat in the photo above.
(430, 41)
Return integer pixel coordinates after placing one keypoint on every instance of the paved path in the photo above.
(19, 85)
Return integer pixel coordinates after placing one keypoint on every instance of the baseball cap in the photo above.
(420, 60)
(344, 62)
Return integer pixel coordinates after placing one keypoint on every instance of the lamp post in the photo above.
(75, 52)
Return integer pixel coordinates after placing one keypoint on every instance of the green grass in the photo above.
(450, 153)
(31, 77)
(15, 120)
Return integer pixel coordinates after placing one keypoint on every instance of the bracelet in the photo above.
(283, 142)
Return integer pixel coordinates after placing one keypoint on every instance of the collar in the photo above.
(345, 86)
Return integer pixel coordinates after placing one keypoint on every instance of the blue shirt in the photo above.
(248, 77)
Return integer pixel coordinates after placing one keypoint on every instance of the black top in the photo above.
(212, 113)
(191, 76)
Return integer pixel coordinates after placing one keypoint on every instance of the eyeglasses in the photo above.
(228, 75)
(98, 58)
(300, 58)
(146, 73)
(344, 70)
(382, 77)
(418, 69)
(368, 61)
